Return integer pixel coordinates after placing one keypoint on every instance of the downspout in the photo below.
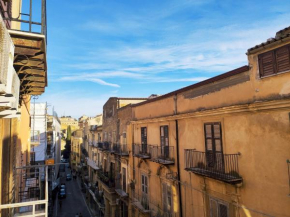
(178, 168)
(177, 153)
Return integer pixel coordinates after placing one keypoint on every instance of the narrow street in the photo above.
(74, 202)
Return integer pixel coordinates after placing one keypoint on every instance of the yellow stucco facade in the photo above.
(249, 113)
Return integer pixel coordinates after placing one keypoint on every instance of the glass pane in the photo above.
(223, 210)
(162, 131)
(218, 145)
(217, 131)
(208, 131)
(209, 144)
(166, 142)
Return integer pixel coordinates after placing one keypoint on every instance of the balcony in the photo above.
(106, 146)
(31, 193)
(162, 154)
(120, 187)
(107, 179)
(112, 147)
(28, 32)
(121, 150)
(97, 196)
(141, 201)
(141, 151)
(223, 167)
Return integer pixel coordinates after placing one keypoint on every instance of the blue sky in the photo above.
(134, 48)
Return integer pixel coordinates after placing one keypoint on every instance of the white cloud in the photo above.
(85, 78)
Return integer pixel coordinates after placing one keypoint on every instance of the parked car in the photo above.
(62, 193)
(68, 177)
(62, 186)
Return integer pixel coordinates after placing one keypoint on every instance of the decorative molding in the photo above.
(249, 107)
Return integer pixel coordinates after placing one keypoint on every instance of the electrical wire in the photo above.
(203, 192)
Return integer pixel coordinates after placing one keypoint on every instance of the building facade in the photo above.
(112, 155)
(218, 147)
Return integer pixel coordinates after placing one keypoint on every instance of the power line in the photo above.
(198, 190)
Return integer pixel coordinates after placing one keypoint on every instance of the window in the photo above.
(213, 145)
(218, 208)
(164, 141)
(99, 160)
(144, 188)
(164, 136)
(124, 183)
(124, 138)
(112, 171)
(167, 198)
(144, 139)
(274, 61)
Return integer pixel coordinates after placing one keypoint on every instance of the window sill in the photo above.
(268, 76)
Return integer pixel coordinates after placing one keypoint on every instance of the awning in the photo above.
(92, 164)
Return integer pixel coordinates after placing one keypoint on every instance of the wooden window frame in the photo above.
(163, 138)
(213, 140)
(275, 62)
(144, 135)
(218, 203)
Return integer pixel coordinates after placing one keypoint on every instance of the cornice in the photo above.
(244, 108)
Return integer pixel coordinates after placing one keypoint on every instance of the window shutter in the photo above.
(267, 64)
(282, 59)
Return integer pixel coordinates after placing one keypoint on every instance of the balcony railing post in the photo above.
(30, 16)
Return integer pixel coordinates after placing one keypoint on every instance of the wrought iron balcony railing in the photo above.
(162, 154)
(218, 166)
(141, 151)
(100, 145)
(121, 150)
(32, 16)
(107, 178)
(106, 146)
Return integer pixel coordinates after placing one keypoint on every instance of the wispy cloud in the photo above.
(82, 78)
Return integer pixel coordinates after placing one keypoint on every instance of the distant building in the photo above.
(38, 137)
(68, 121)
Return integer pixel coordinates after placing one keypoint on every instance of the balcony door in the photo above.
(144, 139)
(124, 181)
(164, 141)
(144, 188)
(213, 146)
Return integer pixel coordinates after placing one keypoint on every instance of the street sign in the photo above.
(49, 161)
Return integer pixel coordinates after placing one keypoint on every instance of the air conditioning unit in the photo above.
(6, 59)
(9, 80)
(12, 98)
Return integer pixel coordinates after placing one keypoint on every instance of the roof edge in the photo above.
(199, 84)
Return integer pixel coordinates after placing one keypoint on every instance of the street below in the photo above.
(73, 203)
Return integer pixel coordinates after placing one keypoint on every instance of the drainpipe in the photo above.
(178, 168)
